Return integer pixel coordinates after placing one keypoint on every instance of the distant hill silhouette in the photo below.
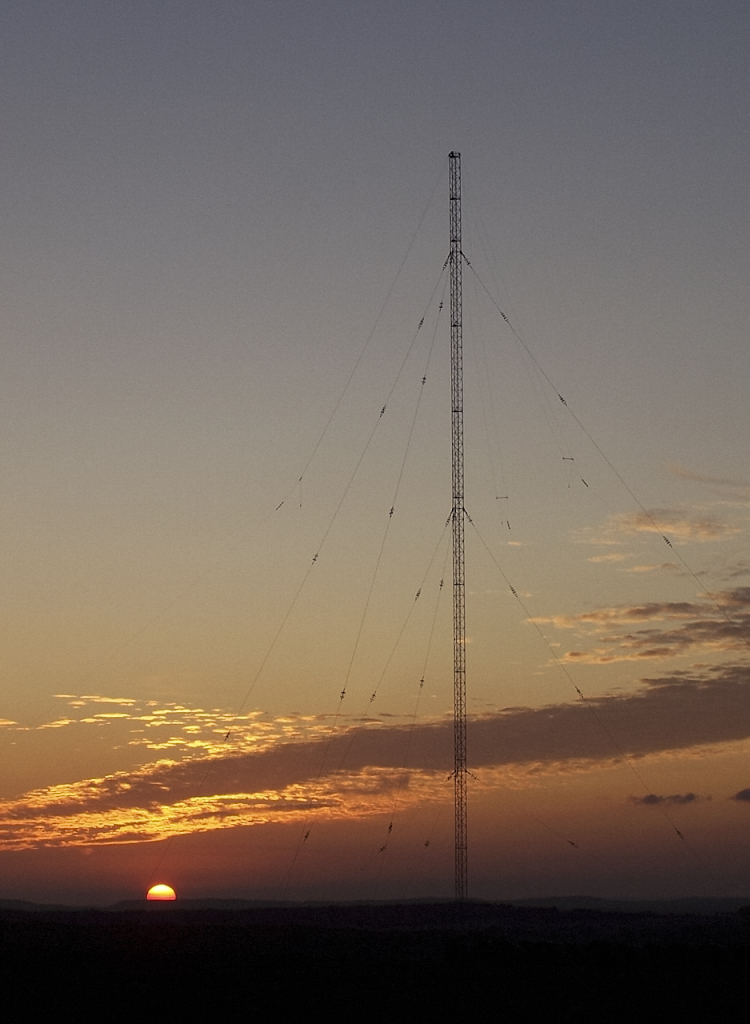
(682, 905)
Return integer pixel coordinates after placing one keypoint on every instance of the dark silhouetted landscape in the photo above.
(376, 962)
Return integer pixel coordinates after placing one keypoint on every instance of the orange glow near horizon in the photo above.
(161, 892)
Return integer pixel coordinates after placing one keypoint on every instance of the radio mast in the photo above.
(457, 517)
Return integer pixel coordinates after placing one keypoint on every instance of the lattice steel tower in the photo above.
(457, 516)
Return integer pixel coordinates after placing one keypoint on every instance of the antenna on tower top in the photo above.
(457, 518)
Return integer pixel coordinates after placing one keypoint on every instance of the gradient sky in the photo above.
(222, 225)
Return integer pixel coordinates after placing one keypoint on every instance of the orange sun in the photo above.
(161, 892)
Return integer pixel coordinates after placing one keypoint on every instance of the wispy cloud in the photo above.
(667, 567)
(739, 568)
(738, 488)
(177, 728)
(627, 613)
(721, 624)
(653, 800)
(702, 525)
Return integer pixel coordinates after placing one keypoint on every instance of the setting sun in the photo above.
(161, 892)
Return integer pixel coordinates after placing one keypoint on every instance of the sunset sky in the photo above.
(226, 448)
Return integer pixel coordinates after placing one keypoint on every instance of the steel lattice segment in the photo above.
(457, 515)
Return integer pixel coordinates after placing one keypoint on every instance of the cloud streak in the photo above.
(697, 525)
(653, 800)
(178, 729)
(703, 626)
(360, 772)
(739, 488)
